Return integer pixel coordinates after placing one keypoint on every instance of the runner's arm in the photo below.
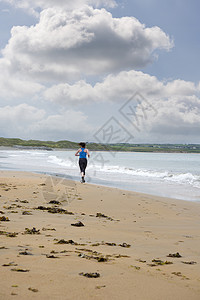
(88, 153)
(77, 153)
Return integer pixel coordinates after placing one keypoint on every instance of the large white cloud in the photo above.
(16, 120)
(119, 88)
(178, 116)
(27, 121)
(171, 108)
(69, 121)
(78, 93)
(51, 59)
(172, 120)
(85, 41)
(16, 86)
(33, 6)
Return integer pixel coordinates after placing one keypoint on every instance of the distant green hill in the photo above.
(49, 145)
(14, 142)
(10, 142)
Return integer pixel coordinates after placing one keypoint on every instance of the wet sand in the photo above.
(136, 246)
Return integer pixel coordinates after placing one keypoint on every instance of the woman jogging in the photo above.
(82, 153)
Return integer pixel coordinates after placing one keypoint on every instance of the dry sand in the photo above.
(120, 243)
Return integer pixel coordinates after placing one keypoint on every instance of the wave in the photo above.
(15, 153)
(147, 173)
(180, 178)
(62, 162)
(185, 178)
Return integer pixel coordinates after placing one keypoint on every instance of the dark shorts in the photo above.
(83, 164)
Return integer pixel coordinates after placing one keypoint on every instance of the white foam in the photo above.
(62, 162)
(185, 178)
(180, 178)
(164, 173)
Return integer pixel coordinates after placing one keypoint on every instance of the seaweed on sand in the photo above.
(90, 275)
(158, 262)
(177, 254)
(32, 231)
(33, 290)
(20, 270)
(26, 213)
(4, 219)
(9, 264)
(100, 215)
(125, 245)
(55, 210)
(25, 253)
(62, 241)
(9, 234)
(78, 224)
(51, 256)
(54, 202)
(189, 262)
(99, 258)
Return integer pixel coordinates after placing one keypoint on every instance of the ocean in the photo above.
(174, 175)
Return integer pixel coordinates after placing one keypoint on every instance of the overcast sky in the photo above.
(100, 70)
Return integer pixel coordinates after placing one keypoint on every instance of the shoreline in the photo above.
(44, 148)
(66, 177)
(114, 187)
(126, 238)
(141, 175)
(117, 188)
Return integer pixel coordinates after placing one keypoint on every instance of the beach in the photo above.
(172, 175)
(61, 239)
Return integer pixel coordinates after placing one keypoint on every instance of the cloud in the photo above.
(171, 108)
(28, 122)
(13, 86)
(33, 6)
(68, 45)
(179, 116)
(72, 41)
(172, 120)
(5, 10)
(66, 94)
(17, 119)
(119, 88)
(67, 122)
(181, 87)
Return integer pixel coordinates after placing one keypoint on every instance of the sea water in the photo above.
(175, 175)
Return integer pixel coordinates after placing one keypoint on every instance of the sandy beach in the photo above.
(66, 240)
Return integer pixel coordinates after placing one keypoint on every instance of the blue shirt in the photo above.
(82, 154)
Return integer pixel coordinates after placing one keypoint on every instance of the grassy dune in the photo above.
(185, 148)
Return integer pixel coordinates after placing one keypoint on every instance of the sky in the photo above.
(100, 70)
